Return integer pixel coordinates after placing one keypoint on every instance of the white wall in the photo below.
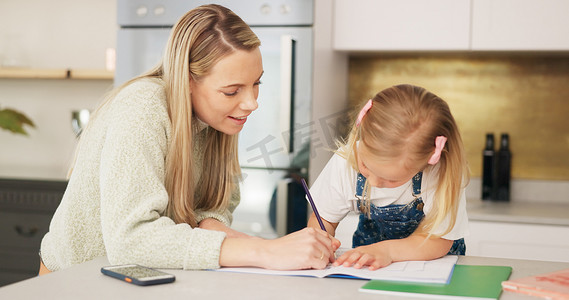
(47, 151)
(55, 34)
(330, 84)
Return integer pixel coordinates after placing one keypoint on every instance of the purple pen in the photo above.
(312, 204)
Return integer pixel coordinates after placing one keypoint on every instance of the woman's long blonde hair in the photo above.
(404, 121)
(200, 38)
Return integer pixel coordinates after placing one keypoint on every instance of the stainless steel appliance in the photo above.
(274, 145)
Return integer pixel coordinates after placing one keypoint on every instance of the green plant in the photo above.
(14, 121)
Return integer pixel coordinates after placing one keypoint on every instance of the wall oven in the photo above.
(274, 145)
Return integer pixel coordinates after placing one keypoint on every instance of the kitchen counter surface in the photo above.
(518, 212)
(85, 281)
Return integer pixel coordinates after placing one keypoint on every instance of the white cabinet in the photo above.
(520, 25)
(518, 241)
(387, 25)
(451, 25)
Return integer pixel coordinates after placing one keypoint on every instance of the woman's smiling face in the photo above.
(225, 97)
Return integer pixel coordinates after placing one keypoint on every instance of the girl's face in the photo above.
(382, 174)
(228, 94)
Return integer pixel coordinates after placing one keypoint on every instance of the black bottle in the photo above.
(488, 168)
(503, 168)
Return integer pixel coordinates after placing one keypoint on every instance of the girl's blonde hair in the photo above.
(402, 124)
(200, 38)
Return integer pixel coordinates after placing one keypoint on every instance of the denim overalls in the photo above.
(395, 221)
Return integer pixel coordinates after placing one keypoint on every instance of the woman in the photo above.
(156, 174)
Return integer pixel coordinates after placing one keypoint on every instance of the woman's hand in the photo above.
(308, 248)
(375, 256)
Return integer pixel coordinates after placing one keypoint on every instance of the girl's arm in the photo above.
(330, 227)
(378, 255)
(304, 249)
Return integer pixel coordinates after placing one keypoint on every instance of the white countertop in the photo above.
(85, 281)
(518, 212)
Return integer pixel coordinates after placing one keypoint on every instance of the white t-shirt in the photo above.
(334, 195)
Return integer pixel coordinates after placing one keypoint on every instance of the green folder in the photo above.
(467, 282)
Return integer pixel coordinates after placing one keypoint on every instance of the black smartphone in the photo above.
(138, 274)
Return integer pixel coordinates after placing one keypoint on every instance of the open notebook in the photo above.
(433, 271)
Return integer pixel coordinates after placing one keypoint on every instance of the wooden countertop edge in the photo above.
(29, 73)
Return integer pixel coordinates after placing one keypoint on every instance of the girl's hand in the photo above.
(308, 248)
(375, 256)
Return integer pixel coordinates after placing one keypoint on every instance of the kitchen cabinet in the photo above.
(531, 25)
(389, 25)
(451, 25)
(26, 208)
(518, 241)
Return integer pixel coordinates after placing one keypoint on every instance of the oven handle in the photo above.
(282, 206)
(288, 50)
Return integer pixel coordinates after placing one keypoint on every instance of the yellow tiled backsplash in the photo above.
(526, 96)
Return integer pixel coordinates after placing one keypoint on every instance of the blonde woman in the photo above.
(156, 173)
(403, 170)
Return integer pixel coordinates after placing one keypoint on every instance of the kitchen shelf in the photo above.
(26, 73)
(90, 74)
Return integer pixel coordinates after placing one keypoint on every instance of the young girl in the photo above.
(403, 168)
(155, 176)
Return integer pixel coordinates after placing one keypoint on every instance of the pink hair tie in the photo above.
(439, 145)
(363, 112)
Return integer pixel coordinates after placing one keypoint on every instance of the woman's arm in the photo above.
(214, 224)
(413, 247)
(304, 249)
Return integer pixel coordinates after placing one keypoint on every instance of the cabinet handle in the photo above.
(26, 233)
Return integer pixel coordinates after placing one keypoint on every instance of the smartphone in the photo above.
(138, 274)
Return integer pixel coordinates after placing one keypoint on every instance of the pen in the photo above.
(312, 204)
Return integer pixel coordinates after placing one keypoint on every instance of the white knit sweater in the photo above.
(115, 201)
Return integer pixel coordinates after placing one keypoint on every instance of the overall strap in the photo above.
(360, 183)
(417, 184)
(361, 180)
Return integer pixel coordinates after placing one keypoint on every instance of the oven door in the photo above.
(138, 50)
(274, 143)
